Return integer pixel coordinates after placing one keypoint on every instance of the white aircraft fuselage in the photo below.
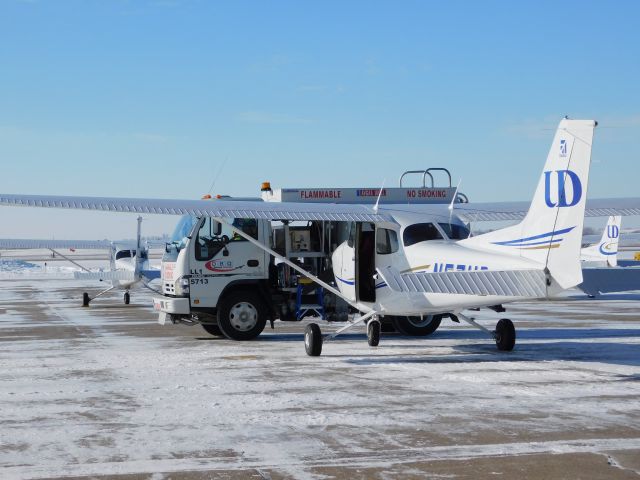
(429, 256)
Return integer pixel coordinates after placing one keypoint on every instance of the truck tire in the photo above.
(242, 315)
(212, 329)
(417, 326)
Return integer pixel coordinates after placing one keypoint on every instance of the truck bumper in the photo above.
(168, 307)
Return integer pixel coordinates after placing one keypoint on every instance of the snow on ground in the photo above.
(105, 391)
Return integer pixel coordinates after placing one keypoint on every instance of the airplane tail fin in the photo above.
(607, 249)
(551, 232)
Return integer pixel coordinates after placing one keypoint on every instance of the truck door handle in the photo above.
(252, 263)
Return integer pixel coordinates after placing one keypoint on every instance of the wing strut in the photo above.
(70, 260)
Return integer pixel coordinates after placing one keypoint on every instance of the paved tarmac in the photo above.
(106, 392)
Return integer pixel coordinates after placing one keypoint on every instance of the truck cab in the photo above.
(207, 271)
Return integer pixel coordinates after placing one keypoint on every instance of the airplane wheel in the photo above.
(373, 333)
(313, 340)
(417, 326)
(212, 329)
(505, 335)
(127, 298)
(85, 299)
(242, 315)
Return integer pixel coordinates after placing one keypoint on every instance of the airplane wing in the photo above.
(214, 208)
(496, 211)
(151, 274)
(508, 283)
(125, 275)
(292, 211)
(609, 279)
(27, 244)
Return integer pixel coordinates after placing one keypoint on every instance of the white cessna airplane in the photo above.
(388, 267)
(606, 250)
(129, 264)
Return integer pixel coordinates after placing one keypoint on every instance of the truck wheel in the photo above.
(242, 315)
(212, 329)
(417, 326)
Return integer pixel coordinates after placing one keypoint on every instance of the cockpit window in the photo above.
(420, 232)
(454, 231)
(386, 241)
(125, 254)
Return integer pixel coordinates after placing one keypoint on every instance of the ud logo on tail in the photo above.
(613, 231)
(563, 148)
(562, 176)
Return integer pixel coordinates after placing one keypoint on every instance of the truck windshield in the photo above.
(182, 230)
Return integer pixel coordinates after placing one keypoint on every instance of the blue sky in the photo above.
(159, 98)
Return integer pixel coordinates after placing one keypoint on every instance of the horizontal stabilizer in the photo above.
(507, 283)
(27, 244)
(124, 275)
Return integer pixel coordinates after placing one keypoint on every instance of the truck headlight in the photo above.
(182, 286)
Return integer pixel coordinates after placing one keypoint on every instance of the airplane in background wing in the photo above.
(399, 260)
(129, 264)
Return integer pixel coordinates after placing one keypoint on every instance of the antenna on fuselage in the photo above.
(375, 207)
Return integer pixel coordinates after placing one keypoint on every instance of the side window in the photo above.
(386, 241)
(455, 231)
(420, 232)
(208, 241)
(247, 225)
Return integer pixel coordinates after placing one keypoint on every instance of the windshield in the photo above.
(182, 230)
(420, 232)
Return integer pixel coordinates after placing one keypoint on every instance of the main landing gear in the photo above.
(504, 334)
(86, 299)
(127, 298)
(313, 339)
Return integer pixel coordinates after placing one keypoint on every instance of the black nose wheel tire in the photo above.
(85, 299)
(505, 335)
(373, 333)
(127, 298)
(313, 340)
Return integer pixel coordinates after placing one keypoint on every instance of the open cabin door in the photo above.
(365, 266)
(358, 263)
